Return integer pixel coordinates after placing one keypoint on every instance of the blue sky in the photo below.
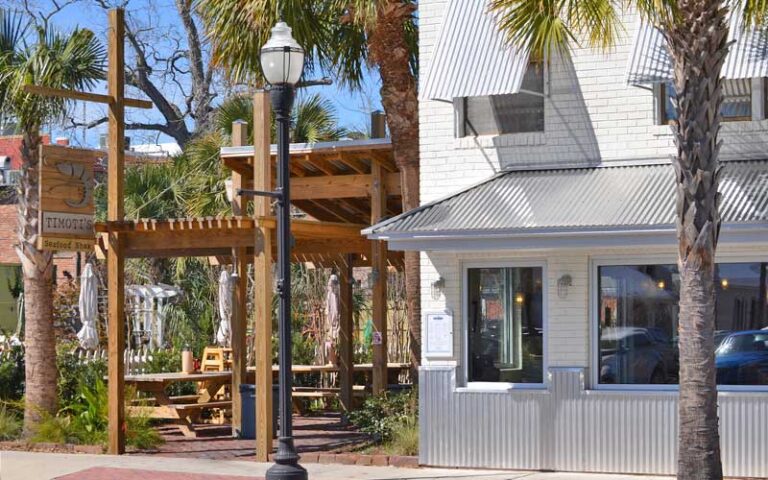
(352, 108)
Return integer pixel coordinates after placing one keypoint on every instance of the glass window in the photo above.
(638, 321)
(514, 113)
(737, 101)
(506, 328)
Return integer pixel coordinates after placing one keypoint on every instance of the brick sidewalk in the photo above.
(317, 434)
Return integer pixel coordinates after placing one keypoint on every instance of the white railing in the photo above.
(135, 361)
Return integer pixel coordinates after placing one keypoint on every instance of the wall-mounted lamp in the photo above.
(563, 283)
(661, 284)
(438, 286)
(519, 298)
(724, 283)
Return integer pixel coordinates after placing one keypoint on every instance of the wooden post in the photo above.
(379, 264)
(240, 297)
(262, 332)
(115, 212)
(346, 337)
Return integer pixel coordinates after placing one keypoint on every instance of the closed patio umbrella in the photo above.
(332, 314)
(88, 303)
(225, 309)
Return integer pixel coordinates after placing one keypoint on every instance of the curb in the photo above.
(399, 461)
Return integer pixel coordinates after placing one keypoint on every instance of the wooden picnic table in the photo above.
(183, 411)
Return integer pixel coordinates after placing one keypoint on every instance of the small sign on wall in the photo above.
(376, 339)
(439, 334)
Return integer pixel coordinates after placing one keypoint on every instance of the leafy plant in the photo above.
(405, 439)
(10, 423)
(73, 373)
(383, 415)
(12, 374)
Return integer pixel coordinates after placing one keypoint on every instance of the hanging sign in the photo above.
(66, 185)
(439, 334)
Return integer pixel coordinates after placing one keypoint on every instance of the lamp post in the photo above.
(282, 60)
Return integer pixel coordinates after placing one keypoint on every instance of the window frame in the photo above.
(754, 94)
(594, 318)
(462, 130)
(464, 356)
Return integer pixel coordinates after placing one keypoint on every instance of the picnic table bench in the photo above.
(183, 410)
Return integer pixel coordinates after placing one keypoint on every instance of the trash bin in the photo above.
(248, 415)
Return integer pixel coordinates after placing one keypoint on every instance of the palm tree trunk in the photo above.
(390, 52)
(698, 45)
(37, 267)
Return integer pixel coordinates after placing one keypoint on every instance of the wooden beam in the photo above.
(116, 212)
(240, 291)
(85, 96)
(238, 334)
(262, 331)
(346, 337)
(339, 186)
(380, 276)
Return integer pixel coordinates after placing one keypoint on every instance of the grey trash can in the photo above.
(248, 415)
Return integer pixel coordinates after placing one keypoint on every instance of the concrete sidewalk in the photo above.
(42, 466)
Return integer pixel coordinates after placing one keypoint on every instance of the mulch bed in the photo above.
(23, 446)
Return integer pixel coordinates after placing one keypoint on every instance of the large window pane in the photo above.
(505, 325)
(638, 321)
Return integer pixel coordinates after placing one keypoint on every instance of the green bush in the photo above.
(73, 373)
(10, 424)
(163, 361)
(381, 416)
(85, 421)
(12, 375)
(405, 439)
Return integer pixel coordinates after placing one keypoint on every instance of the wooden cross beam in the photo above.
(117, 102)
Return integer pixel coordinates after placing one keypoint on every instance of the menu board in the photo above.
(439, 334)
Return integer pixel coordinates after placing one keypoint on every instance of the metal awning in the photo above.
(649, 61)
(471, 57)
(605, 199)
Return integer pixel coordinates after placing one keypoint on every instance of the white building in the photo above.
(547, 237)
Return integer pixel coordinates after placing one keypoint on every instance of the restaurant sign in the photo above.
(67, 209)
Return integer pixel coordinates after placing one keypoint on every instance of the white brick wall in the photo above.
(591, 116)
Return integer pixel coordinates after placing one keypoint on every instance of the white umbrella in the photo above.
(332, 315)
(88, 303)
(225, 309)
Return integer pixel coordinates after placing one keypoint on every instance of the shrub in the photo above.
(73, 372)
(12, 374)
(380, 416)
(405, 439)
(10, 424)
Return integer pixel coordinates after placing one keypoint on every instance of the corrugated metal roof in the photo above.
(597, 198)
(649, 61)
(471, 57)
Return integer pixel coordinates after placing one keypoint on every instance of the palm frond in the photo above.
(544, 27)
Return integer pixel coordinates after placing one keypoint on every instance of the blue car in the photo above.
(742, 358)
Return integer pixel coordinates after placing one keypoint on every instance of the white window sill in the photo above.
(499, 141)
(492, 387)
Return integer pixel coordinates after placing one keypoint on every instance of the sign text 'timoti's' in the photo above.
(66, 198)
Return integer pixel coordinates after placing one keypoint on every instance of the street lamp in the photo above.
(282, 60)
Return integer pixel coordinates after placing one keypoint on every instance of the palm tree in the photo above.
(343, 37)
(696, 32)
(54, 59)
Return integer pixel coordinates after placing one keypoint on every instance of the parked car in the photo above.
(631, 355)
(742, 358)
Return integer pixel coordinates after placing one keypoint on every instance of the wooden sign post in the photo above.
(115, 213)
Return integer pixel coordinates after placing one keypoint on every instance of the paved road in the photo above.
(42, 466)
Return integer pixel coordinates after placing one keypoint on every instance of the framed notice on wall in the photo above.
(439, 334)
(66, 186)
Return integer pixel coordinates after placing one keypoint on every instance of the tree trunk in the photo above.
(390, 52)
(698, 45)
(37, 267)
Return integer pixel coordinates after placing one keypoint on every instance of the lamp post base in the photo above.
(286, 465)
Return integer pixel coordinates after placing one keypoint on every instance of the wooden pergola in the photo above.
(343, 187)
